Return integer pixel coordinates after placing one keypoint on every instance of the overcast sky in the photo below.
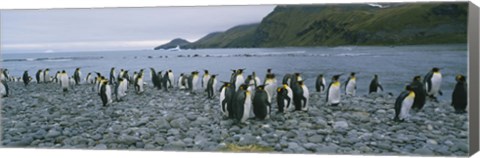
(116, 28)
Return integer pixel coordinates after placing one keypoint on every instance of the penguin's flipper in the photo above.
(328, 89)
(380, 86)
(440, 92)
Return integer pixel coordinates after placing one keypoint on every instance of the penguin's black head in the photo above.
(408, 88)
(417, 78)
(240, 71)
(352, 74)
(26, 71)
(300, 82)
(181, 74)
(297, 74)
(254, 74)
(58, 71)
(243, 87)
(460, 78)
(169, 70)
(249, 77)
(45, 69)
(77, 68)
(435, 69)
(113, 68)
(336, 77)
(134, 72)
(206, 71)
(260, 87)
(375, 76)
(213, 76)
(121, 70)
(63, 71)
(321, 75)
(269, 70)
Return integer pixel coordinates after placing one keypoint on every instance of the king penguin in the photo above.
(38, 74)
(171, 78)
(420, 93)
(287, 79)
(139, 83)
(4, 90)
(105, 93)
(239, 79)
(256, 79)
(261, 103)
(64, 81)
(432, 81)
(403, 104)
(154, 78)
(270, 86)
(121, 88)
(46, 75)
(25, 78)
(320, 83)
(212, 82)
(227, 92)
(333, 91)
(351, 85)
(205, 79)
(181, 84)
(300, 96)
(459, 95)
(284, 98)
(112, 75)
(89, 79)
(375, 86)
(77, 76)
(242, 104)
(192, 81)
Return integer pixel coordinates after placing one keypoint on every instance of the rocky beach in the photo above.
(40, 116)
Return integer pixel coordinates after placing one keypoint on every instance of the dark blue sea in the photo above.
(396, 66)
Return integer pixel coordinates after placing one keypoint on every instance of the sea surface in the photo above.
(396, 66)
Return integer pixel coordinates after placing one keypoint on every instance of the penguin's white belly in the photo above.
(406, 106)
(436, 82)
(179, 83)
(270, 89)
(214, 85)
(334, 95)
(108, 91)
(257, 80)
(3, 90)
(205, 81)
(351, 87)
(222, 98)
(194, 83)
(170, 77)
(239, 81)
(306, 94)
(246, 108)
(64, 81)
(140, 84)
(42, 77)
(322, 89)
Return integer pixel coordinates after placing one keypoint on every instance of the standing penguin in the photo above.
(212, 82)
(64, 81)
(38, 74)
(46, 75)
(284, 98)
(300, 96)
(432, 82)
(192, 81)
(160, 81)
(256, 79)
(205, 79)
(154, 78)
(261, 103)
(239, 79)
(89, 79)
(181, 84)
(139, 83)
(77, 76)
(320, 83)
(121, 88)
(351, 85)
(126, 76)
(134, 77)
(242, 104)
(420, 93)
(333, 91)
(4, 88)
(270, 85)
(112, 75)
(25, 78)
(375, 86)
(403, 104)
(227, 92)
(251, 84)
(171, 78)
(459, 95)
(287, 79)
(121, 73)
(105, 92)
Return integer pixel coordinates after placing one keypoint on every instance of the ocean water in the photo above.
(396, 66)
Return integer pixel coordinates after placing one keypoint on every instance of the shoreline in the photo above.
(180, 121)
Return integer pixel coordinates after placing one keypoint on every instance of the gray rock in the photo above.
(40, 134)
(340, 125)
(315, 139)
(162, 123)
(100, 147)
(160, 140)
(126, 139)
(181, 123)
(247, 140)
(295, 147)
(423, 151)
(52, 133)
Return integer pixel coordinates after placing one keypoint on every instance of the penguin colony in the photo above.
(245, 98)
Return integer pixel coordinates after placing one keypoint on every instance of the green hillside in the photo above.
(348, 24)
